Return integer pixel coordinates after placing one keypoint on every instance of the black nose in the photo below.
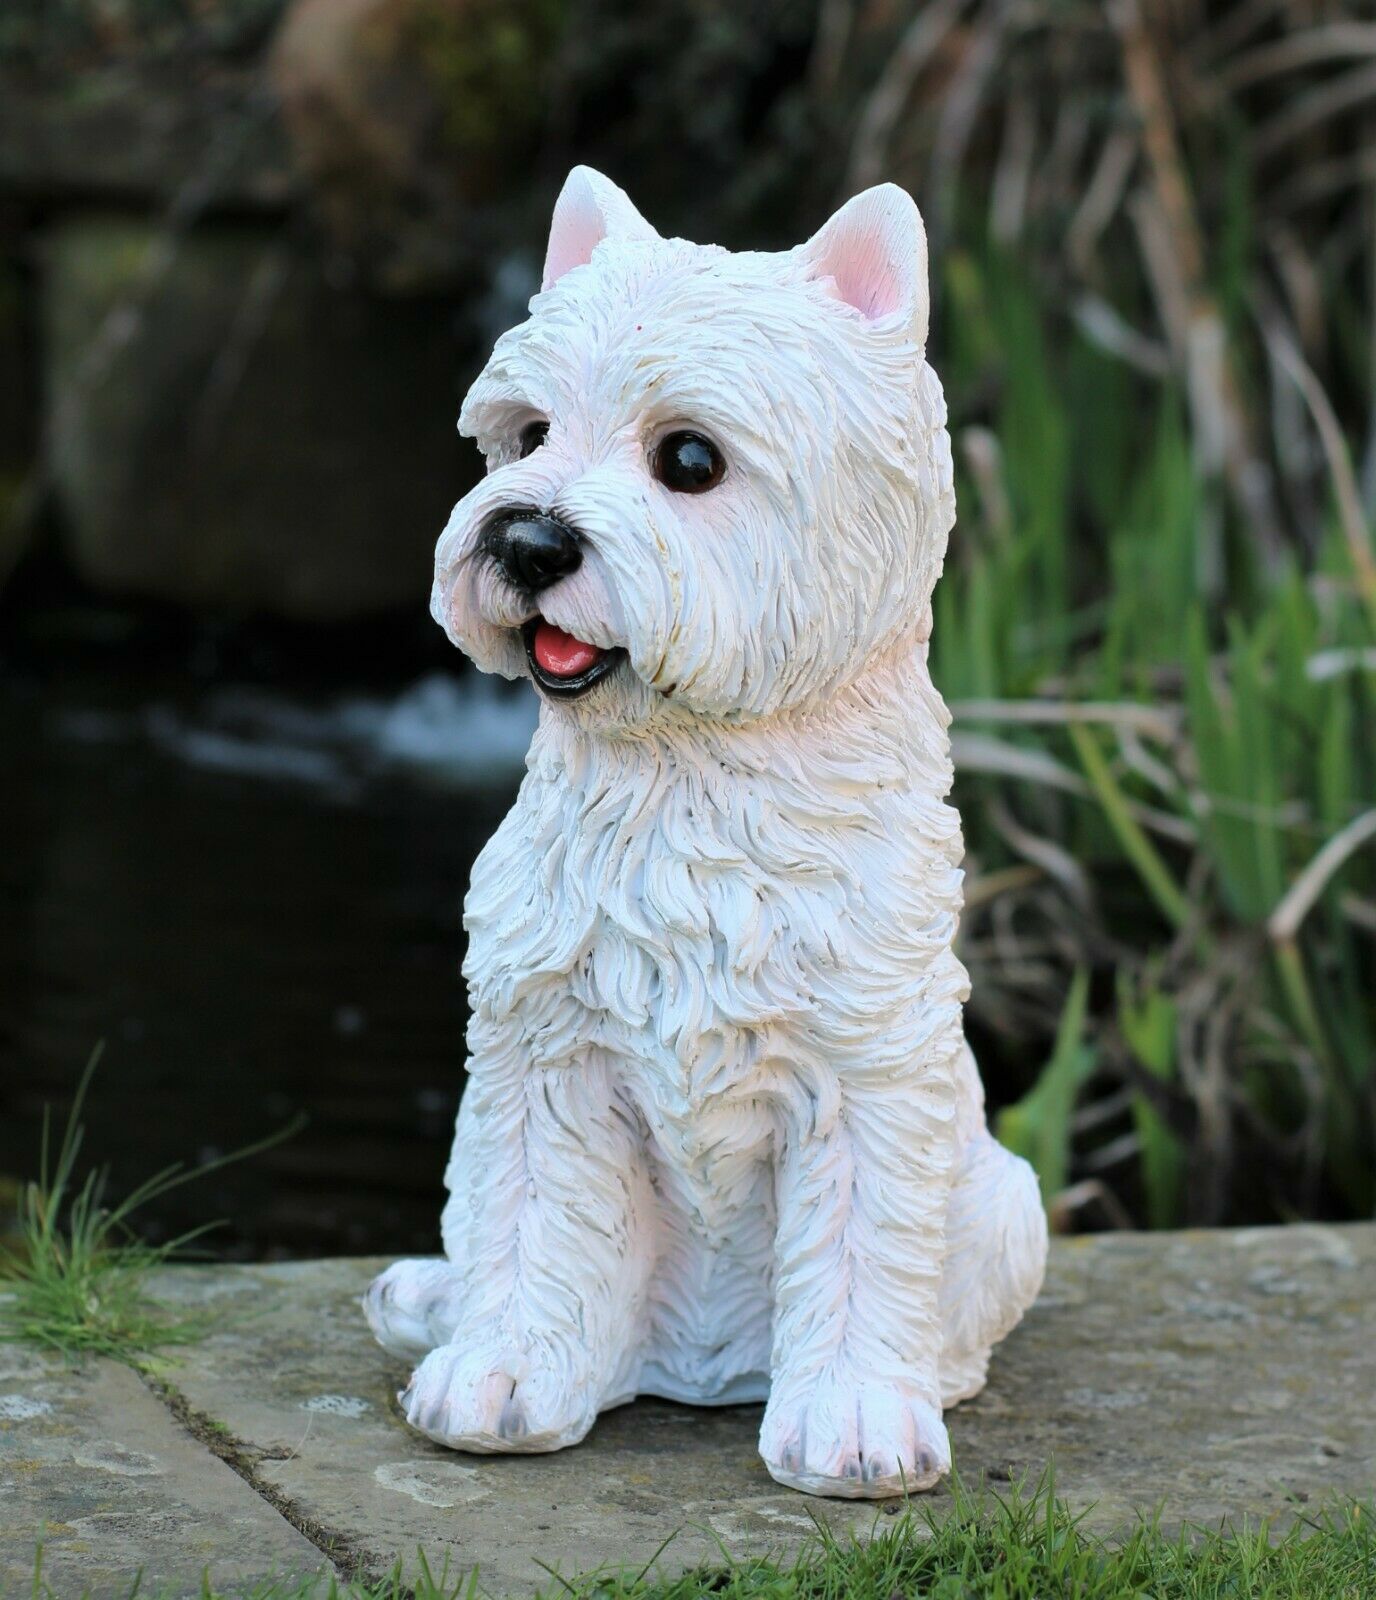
(533, 551)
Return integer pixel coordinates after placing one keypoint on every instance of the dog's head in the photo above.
(716, 483)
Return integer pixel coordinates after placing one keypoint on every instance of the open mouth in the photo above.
(563, 666)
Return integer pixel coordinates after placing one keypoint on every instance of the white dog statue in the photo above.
(723, 1139)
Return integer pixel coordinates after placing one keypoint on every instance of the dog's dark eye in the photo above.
(688, 463)
(533, 435)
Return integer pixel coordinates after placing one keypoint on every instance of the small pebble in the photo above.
(107, 1456)
(337, 1405)
(19, 1408)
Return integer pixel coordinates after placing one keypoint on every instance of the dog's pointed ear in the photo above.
(874, 252)
(590, 208)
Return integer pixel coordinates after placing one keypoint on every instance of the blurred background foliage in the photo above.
(251, 253)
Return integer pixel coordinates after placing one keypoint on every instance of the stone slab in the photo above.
(1212, 1374)
(95, 1467)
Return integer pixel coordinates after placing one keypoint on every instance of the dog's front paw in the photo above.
(855, 1440)
(479, 1396)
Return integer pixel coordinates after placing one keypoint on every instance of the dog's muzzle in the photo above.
(533, 552)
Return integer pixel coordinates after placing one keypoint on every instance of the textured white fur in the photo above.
(722, 1139)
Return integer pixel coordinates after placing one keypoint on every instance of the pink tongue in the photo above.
(560, 654)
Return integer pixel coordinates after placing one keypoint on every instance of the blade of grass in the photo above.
(1170, 899)
(1038, 1126)
(78, 1279)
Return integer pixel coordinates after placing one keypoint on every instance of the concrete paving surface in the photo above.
(1211, 1374)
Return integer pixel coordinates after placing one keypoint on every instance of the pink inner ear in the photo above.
(575, 232)
(865, 275)
(875, 255)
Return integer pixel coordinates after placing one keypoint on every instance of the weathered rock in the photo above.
(17, 430)
(430, 135)
(404, 115)
(227, 430)
(97, 1469)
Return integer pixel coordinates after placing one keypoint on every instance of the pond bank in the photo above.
(1214, 1374)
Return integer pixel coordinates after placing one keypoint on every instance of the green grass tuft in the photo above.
(77, 1282)
(1033, 1547)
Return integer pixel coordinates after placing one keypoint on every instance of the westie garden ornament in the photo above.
(723, 1139)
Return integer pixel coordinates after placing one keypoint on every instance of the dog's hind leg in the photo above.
(995, 1254)
(414, 1306)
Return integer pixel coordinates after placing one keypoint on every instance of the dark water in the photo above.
(255, 901)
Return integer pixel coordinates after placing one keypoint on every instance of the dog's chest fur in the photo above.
(697, 910)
